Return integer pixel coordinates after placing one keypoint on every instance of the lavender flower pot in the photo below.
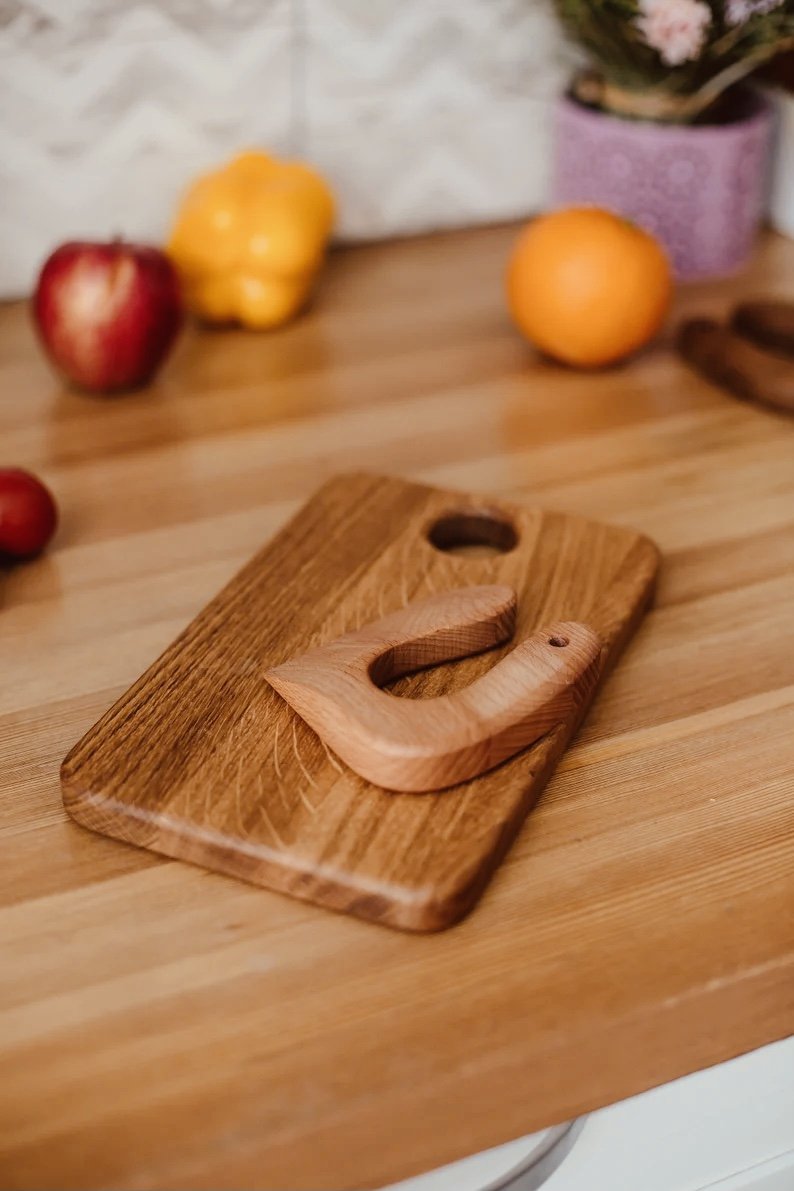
(700, 189)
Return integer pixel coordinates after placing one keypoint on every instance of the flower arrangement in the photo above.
(673, 59)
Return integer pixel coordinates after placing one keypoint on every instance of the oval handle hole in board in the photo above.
(472, 534)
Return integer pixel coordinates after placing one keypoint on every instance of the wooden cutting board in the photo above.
(202, 760)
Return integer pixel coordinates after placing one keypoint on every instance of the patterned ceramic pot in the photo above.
(700, 189)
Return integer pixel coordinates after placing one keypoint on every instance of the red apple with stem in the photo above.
(107, 314)
(28, 515)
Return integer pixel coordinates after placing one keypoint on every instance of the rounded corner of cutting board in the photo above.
(652, 552)
(430, 909)
(80, 804)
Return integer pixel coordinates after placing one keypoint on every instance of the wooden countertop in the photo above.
(163, 1027)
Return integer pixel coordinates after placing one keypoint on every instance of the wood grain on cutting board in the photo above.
(203, 760)
(164, 1027)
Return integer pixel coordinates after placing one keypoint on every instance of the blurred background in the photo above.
(421, 114)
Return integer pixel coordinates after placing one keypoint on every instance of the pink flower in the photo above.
(675, 28)
(739, 11)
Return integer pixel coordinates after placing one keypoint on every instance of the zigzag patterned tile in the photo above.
(424, 113)
(434, 114)
(446, 176)
(489, 49)
(50, 27)
(108, 109)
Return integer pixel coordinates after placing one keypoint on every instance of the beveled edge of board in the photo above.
(419, 909)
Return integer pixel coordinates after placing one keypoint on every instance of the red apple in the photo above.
(28, 515)
(107, 314)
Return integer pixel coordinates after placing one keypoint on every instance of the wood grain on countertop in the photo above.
(162, 1027)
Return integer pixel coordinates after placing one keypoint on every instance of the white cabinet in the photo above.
(730, 1128)
(781, 210)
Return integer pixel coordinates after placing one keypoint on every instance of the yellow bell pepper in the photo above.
(250, 238)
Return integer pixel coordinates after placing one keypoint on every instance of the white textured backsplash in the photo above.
(422, 113)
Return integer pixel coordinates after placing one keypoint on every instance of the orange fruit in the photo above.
(586, 286)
